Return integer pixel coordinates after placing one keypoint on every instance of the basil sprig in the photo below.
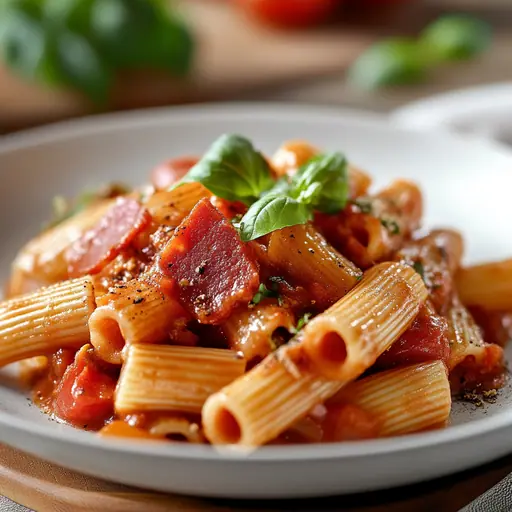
(83, 43)
(232, 169)
(399, 61)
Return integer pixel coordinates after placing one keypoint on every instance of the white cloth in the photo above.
(7, 505)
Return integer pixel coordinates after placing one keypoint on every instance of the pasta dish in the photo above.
(249, 300)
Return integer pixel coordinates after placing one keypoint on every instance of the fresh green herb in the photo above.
(419, 268)
(83, 43)
(391, 62)
(232, 169)
(265, 293)
(273, 212)
(359, 277)
(303, 320)
(400, 61)
(391, 225)
(322, 183)
(457, 37)
(365, 205)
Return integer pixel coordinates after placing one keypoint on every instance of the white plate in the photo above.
(485, 110)
(467, 185)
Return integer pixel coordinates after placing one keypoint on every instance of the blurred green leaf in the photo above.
(457, 37)
(390, 62)
(23, 42)
(121, 27)
(139, 33)
(82, 67)
(72, 15)
(83, 42)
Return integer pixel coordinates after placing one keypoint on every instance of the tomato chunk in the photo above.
(113, 233)
(425, 340)
(290, 13)
(483, 374)
(209, 265)
(85, 395)
(170, 172)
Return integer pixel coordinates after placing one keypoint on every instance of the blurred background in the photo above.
(68, 58)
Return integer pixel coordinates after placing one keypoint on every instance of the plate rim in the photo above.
(440, 110)
(103, 123)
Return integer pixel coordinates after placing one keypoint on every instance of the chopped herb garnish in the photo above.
(235, 170)
(359, 277)
(391, 225)
(365, 205)
(303, 320)
(420, 269)
(264, 292)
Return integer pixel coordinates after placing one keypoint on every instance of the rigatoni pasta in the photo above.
(249, 300)
(387, 398)
(42, 322)
(488, 285)
(346, 339)
(169, 378)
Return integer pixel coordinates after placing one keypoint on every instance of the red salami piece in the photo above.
(102, 243)
(170, 172)
(210, 266)
(425, 340)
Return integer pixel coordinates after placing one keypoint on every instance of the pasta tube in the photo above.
(176, 428)
(133, 313)
(42, 322)
(255, 331)
(170, 378)
(488, 286)
(266, 401)
(346, 339)
(304, 255)
(169, 208)
(43, 258)
(402, 400)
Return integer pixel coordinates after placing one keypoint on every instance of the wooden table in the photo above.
(326, 86)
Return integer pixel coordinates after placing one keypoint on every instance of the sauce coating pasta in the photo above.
(248, 300)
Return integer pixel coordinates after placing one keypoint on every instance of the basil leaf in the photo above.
(457, 37)
(24, 45)
(323, 183)
(72, 15)
(232, 169)
(82, 67)
(272, 212)
(391, 62)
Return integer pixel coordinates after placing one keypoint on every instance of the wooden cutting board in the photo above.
(45, 487)
(234, 55)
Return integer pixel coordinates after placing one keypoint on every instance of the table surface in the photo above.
(453, 492)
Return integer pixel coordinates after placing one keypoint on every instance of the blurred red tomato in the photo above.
(170, 172)
(291, 13)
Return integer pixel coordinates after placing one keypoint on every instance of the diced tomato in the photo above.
(486, 373)
(113, 233)
(291, 13)
(425, 340)
(209, 265)
(170, 172)
(230, 209)
(85, 395)
(347, 422)
(496, 325)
